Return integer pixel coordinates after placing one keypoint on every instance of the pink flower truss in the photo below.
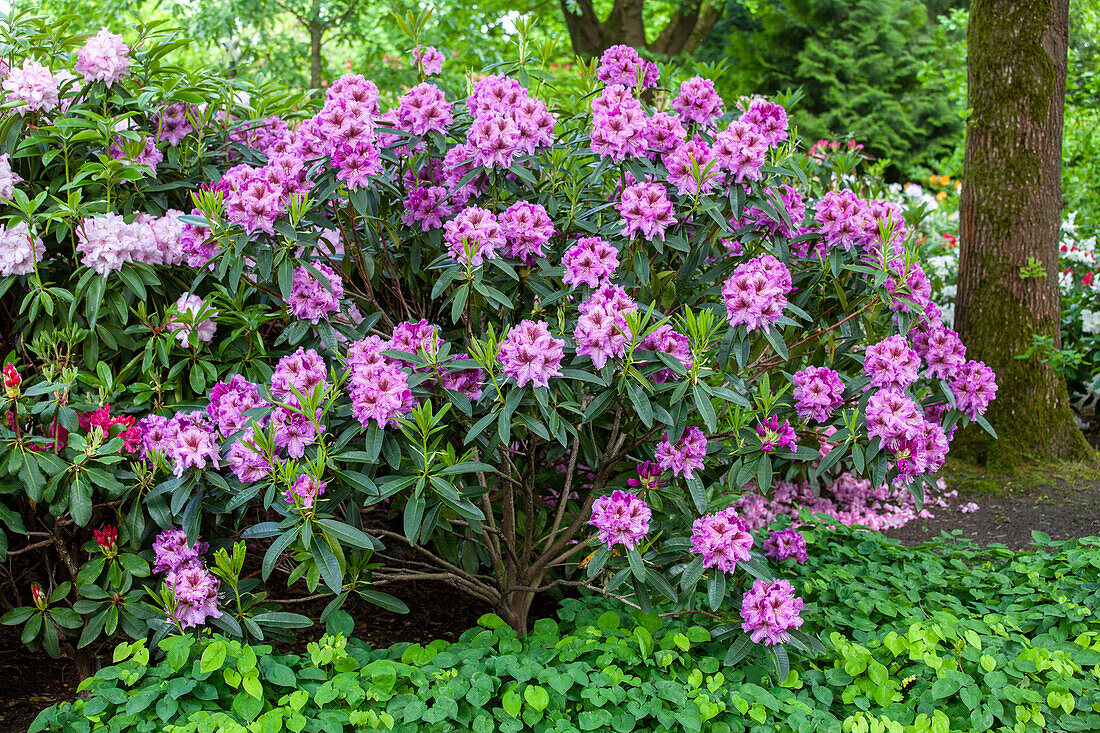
(34, 85)
(974, 388)
(306, 490)
(618, 124)
(741, 151)
(473, 236)
(303, 370)
(622, 65)
(722, 539)
(424, 108)
(429, 59)
(768, 119)
(785, 545)
(602, 332)
(104, 57)
(190, 308)
(527, 228)
(19, 250)
(311, 299)
(591, 261)
(530, 355)
(770, 610)
(698, 102)
(229, 401)
(645, 208)
(686, 457)
(247, 462)
(818, 391)
(891, 363)
(620, 519)
(756, 293)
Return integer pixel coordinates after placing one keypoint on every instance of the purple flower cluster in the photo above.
(103, 57)
(645, 208)
(770, 610)
(507, 122)
(602, 331)
(891, 363)
(686, 457)
(775, 435)
(19, 250)
(429, 59)
(246, 461)
(768, 119)
(527, 228)
(530, 355)
(591, 261)
(974, 387)
(620, 519)
(304, 370)
(663, 134)
(229, 401)
(698, 102)
(256, 197)
(195, 588)
(618, 124)
(622, 65)
(188, 440)
(756, 293)
(790, 201)
(305, 491)
(295, 431)
(378, 387)
(474, 236)
(424, 109)
(741, 151)
(785, 545)
(108, 242)
(312, 299)
(818, 391)
(692, 168)
(722, 539)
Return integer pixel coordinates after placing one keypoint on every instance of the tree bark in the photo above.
(316, 35)
(625, 25)
(1010, 211)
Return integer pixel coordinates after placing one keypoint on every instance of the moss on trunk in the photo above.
(1010, 212)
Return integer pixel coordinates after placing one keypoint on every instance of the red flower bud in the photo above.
(39, 597)
(107, 539)
(12, 380)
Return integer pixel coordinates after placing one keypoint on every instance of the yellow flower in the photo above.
(941, 195)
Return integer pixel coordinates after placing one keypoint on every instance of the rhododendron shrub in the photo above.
(513, 348)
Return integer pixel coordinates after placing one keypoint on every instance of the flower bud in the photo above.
(107, 539)
(12, 380)
(39, 597)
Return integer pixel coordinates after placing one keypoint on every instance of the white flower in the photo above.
(1090, 321)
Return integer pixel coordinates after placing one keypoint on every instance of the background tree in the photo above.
(1010, 214)
(662, 28)
(859, 64)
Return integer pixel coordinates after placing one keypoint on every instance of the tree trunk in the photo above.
(1010, 211)
(316, 34)
(625, 25)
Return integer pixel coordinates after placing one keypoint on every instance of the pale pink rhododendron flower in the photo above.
(104, 57)
(193, 315)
